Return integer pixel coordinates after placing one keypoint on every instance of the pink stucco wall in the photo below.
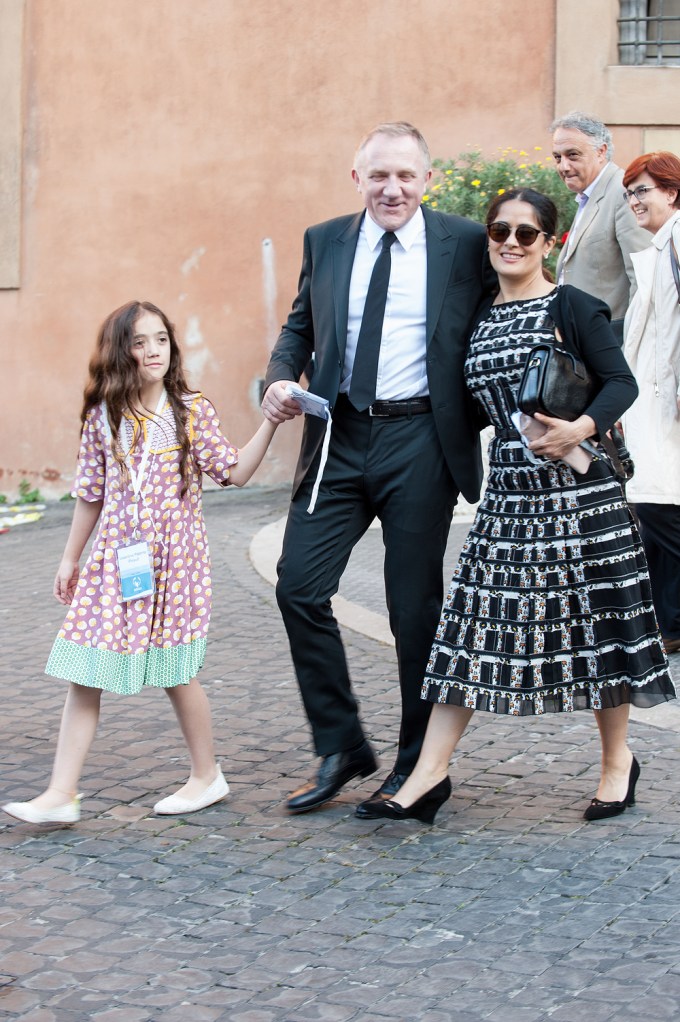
(165, 140)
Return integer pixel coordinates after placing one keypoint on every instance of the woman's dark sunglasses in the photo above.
(526, 234)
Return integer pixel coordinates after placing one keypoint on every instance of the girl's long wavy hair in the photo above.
(114, 378)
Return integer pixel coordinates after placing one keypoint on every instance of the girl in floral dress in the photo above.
(139, 610)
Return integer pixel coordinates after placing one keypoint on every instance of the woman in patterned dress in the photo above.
(146, 439)
(549, 609)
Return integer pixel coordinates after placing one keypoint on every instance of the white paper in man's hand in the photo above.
(311, 404)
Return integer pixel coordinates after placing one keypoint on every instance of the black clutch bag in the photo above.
(555, 383)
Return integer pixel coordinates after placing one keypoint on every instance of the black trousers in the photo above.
(393, 469)
(660, 533)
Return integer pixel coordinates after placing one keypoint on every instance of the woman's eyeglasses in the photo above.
(638, 193)
(525, 234)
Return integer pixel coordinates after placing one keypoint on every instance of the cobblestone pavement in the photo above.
(510, 908)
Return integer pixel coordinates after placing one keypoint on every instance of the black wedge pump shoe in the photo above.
(424, 809)
(599, 810)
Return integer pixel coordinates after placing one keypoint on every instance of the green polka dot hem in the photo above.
(126, 673)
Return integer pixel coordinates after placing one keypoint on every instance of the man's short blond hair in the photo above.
(396, 129)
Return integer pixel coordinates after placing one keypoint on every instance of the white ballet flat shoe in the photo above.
(175, 805)
(27, 813)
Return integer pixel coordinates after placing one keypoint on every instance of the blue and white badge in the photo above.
(135, 570)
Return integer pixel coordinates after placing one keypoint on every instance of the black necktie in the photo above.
(365, 369)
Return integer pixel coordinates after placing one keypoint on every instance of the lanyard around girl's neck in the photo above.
(137, 477)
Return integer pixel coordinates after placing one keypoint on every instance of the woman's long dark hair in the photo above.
(114, 378)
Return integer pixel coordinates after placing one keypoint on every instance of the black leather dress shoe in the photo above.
(335, 771)
(389, 787)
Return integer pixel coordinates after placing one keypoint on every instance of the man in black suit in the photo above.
(402, 454)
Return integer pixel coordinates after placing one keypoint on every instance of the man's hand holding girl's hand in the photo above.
(278, 405)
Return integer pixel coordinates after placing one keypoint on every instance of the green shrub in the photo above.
(27, 495)
(468, 184)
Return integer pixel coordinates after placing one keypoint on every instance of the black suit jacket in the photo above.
(458, 274)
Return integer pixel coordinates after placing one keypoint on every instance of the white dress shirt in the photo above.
(401, 367)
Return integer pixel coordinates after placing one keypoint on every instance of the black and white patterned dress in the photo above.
(550, 606)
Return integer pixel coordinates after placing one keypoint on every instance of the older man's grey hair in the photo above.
(597, 132)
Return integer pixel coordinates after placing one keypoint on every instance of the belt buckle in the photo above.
(377, 415)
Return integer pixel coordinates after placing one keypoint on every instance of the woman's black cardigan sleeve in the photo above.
(584, 324)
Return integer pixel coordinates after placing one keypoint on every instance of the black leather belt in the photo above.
(507, 434)
(392, 409)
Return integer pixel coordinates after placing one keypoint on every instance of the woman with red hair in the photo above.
(652, 349)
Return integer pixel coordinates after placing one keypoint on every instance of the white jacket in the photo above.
(652, 348)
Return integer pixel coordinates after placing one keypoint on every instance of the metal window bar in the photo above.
(649, 32)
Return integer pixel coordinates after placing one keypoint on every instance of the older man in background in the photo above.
(596, 254)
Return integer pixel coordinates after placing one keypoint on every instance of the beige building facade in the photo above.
(175, 150)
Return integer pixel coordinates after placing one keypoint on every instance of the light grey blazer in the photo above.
(596, 258)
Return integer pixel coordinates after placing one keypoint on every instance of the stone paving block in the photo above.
(43, 1014)
(356, 994)
(400, 1005)
(666, 984)
(198, 1013)
(255, 1015)
(224, 997)
(579, 1008)
(437, 1015)
(326, 944)
(22, 963)
(18, 1000)
(84, 1001)
(48, 979)
(323, 1011)
(56, 945)
(122, 1014)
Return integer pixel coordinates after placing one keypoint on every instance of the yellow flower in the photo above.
(426, 197)
(449, 172)
(522, 153)
(476, 183)
(434, 204)
(522, 166)
(501, 191)
(538, 148)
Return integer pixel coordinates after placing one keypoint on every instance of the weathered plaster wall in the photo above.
(165, 141)
(640, 104)
(11, 46)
